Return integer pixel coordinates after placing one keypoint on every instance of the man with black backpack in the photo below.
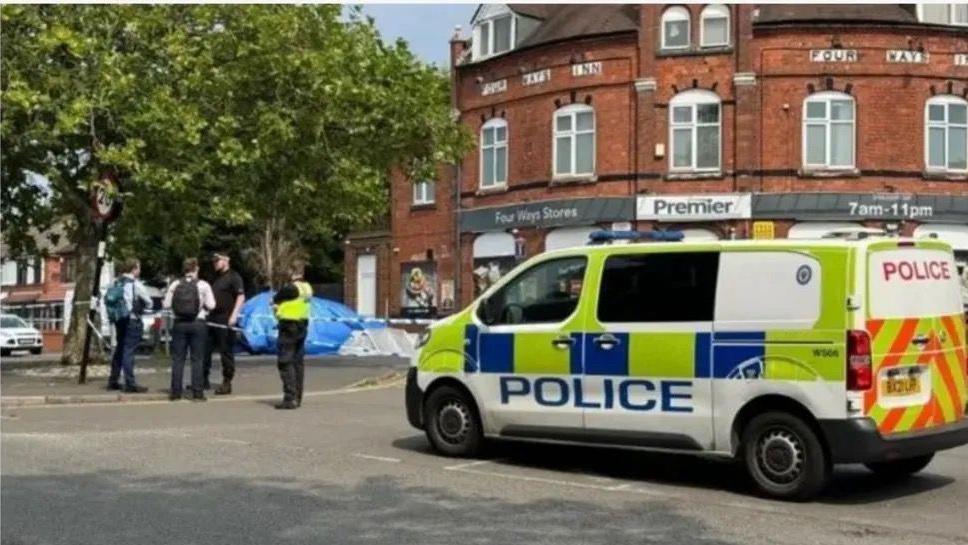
(190, 301)
(125, 301)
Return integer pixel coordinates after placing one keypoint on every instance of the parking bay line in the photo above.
(377, 458)
(742, 505)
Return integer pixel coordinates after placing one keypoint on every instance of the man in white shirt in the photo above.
(190, 300)
(128, 330)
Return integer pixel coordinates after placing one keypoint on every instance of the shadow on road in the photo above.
(107, 508)
(850, 485)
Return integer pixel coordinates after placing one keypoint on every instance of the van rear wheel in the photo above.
(452, 423)
(900, 468)
(784, 457)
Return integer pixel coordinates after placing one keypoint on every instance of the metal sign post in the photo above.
(105, 208)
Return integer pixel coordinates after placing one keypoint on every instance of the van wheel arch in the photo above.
(456, 384)
(769, 403)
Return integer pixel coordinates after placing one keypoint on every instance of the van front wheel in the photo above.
(452, 423)
(900, 468)
(784, 457)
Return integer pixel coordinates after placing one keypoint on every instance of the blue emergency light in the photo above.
(603, 237)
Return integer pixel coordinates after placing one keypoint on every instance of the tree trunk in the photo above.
(86, 241)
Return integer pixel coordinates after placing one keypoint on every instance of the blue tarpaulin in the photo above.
(325, 336)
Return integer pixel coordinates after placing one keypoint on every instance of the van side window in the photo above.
(545, 293)
(672, 287)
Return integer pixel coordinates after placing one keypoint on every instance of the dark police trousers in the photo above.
(188, 336)
(223, 339)
(292, 348)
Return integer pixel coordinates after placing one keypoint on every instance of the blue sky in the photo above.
(427, 27)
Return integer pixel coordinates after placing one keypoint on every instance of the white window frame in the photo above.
(572, 111)
(423, 192)
(951, 15)
(693, 98)
(486, 50)
(494, 124)
(714, 11)
(943, 100)
(827, 97)
(676, 13)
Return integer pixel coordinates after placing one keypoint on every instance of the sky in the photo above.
(427, 27)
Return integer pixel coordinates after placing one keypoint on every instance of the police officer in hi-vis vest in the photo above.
(292, 311)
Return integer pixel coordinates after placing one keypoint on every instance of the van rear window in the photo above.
(912, 282)
(673, 287)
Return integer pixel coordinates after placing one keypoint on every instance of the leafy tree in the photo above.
(283, 121)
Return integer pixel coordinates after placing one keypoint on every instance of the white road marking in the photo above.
(459, 467)
(233, 441)
(377, 458)
(740, 505)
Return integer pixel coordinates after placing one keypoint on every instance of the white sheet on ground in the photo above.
(386, 341)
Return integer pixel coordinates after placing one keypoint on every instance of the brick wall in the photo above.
(762, 79)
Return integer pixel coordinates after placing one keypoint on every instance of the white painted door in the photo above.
(366, 285)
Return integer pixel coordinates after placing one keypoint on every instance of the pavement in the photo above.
(44, 381)
(347, 468)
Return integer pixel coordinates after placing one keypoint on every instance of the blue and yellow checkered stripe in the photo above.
(752, 354)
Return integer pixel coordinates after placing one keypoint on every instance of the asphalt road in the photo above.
(347, 468)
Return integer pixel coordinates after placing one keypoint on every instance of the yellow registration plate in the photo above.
(901, 386)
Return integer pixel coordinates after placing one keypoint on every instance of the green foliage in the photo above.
(217, 117)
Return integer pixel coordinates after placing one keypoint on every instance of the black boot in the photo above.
(287, 405)
(224, 389)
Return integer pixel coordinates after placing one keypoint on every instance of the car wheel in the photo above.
(4, 352)
(36, 351)
(900, 468)
(453, 425)
(784, 457)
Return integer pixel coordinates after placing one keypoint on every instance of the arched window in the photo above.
(574, 144)
(714, 26)
(946, 134)
(675, 28)
(694, 131)
(494, 153)
(828, 131)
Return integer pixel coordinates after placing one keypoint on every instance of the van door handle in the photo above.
(607, 341)
(562, 343)
(920, 340)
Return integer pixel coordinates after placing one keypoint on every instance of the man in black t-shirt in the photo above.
(229, 296)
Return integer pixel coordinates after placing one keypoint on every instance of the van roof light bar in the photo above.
(604, 237)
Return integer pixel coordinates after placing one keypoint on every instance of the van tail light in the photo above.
(157, 325)
(860, 375)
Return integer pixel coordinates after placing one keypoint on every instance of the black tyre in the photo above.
(901, 468)
(784, 457)
(4, 352)
(452, 422)
(36, 351)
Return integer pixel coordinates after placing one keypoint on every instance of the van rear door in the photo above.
(915, 320)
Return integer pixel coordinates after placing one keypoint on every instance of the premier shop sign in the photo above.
(694, 207)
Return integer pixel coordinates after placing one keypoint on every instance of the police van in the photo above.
(788, 355)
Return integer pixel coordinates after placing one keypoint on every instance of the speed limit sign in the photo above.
(105, 202)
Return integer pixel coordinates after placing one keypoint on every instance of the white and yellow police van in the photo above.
(789, 355)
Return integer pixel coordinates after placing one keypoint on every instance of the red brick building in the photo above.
(735, 121)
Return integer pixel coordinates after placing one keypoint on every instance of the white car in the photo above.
(16, 334)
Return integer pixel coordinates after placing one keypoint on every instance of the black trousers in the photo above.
(187, 336)
(223, 340)
(292, 348)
